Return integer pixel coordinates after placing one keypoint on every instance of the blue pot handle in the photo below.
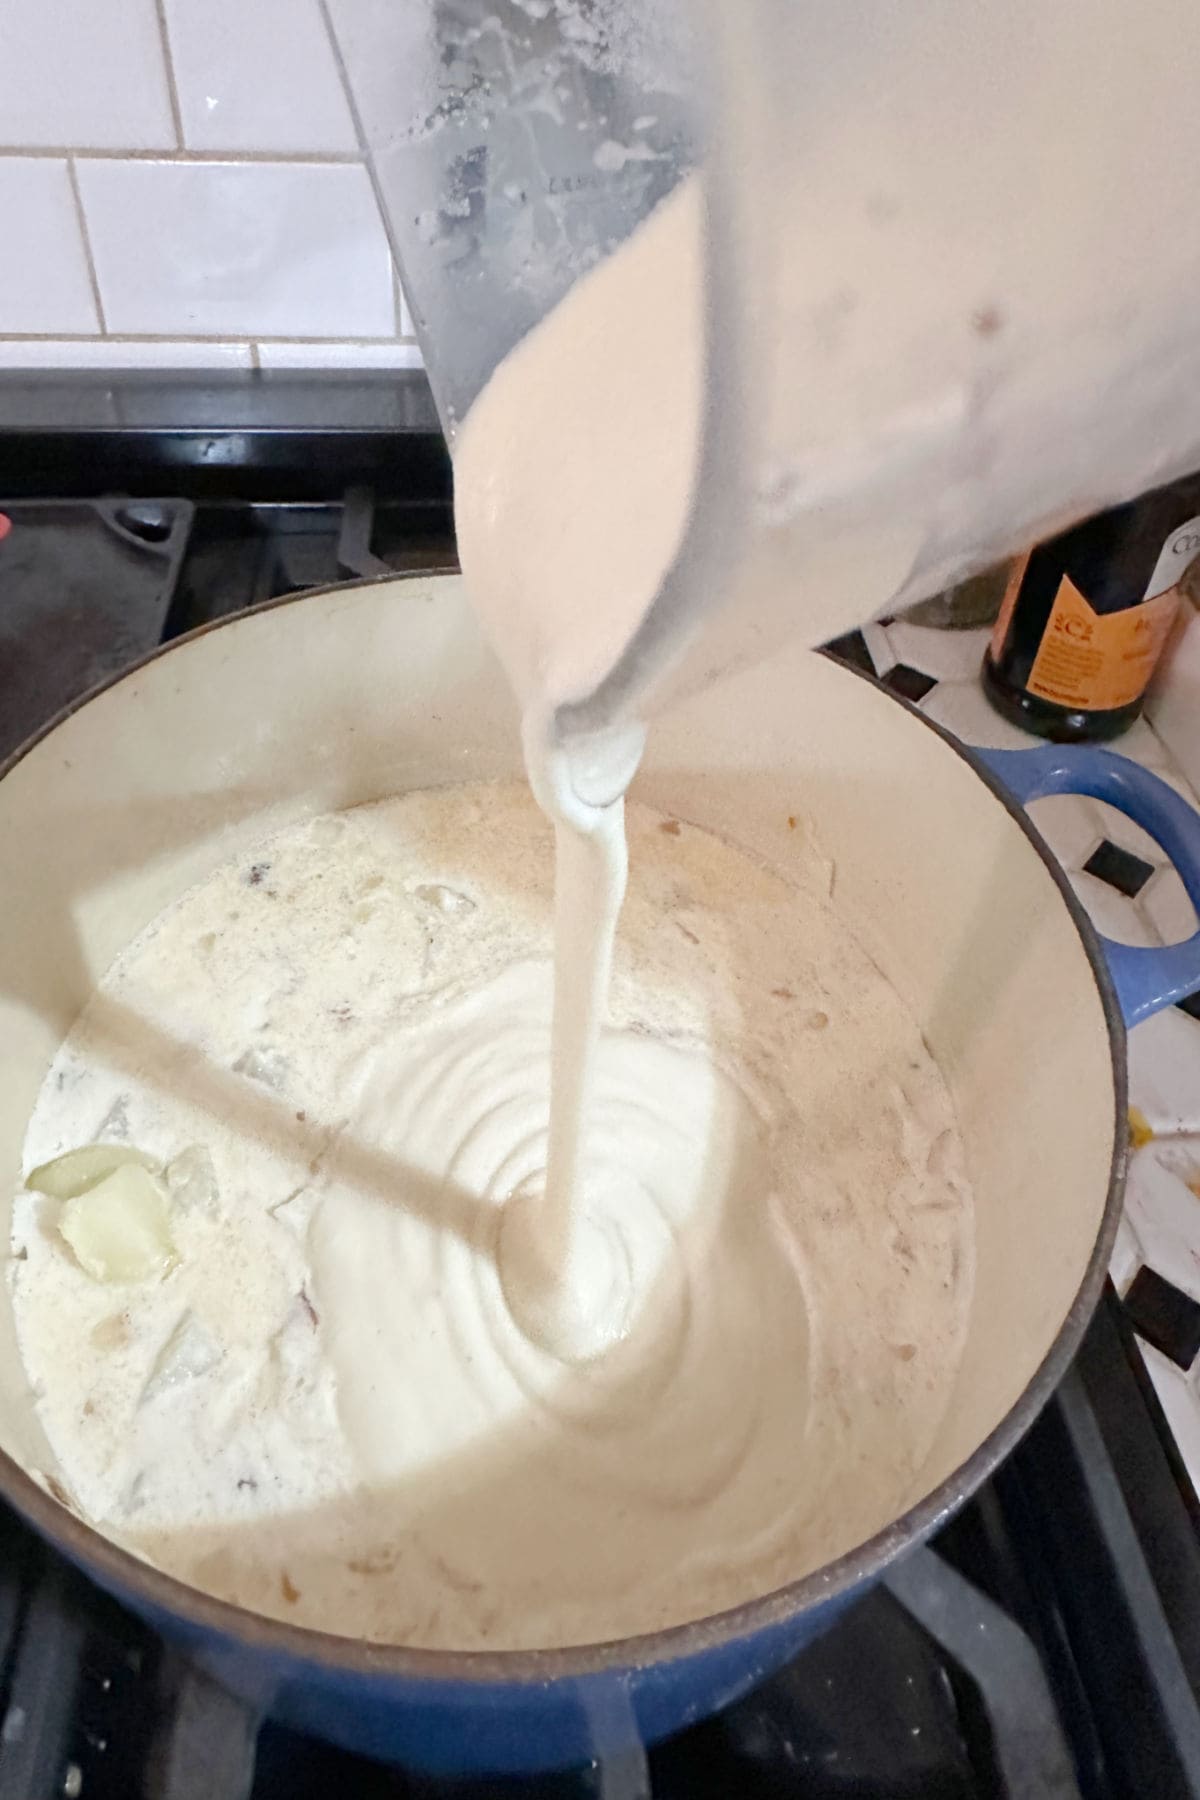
(1145, 980)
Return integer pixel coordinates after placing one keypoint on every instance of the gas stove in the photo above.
(1047, 1643)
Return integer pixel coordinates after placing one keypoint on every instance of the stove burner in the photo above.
(84, 591)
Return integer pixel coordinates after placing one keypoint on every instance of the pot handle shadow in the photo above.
(1145, 980)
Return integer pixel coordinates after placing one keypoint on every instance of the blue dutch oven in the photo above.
(363, 691)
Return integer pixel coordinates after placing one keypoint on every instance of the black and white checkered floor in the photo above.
(1131, 893)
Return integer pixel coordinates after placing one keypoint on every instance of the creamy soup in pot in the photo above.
(335, 1052)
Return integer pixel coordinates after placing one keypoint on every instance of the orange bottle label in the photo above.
(1094, 662)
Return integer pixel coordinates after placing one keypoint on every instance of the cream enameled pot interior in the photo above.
(365, 691)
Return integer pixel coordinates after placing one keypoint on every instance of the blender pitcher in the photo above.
(950, 259)
(513, 145)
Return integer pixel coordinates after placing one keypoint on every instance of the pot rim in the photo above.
(119, 1569)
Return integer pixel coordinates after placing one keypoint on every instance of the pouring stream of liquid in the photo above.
(559, 1276)
(574, 475)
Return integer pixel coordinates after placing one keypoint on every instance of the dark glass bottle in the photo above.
(1085, 617)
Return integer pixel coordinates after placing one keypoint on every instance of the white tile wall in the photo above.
(44, 283)
(257, 76)
(197, 249)
(77, 73)
(221, 214)
(119, 353)
(347, 356)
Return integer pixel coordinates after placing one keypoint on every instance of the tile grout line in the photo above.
(89, 258)
(364, 155)
(182, 156)
(164, 38)
(339, 63)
